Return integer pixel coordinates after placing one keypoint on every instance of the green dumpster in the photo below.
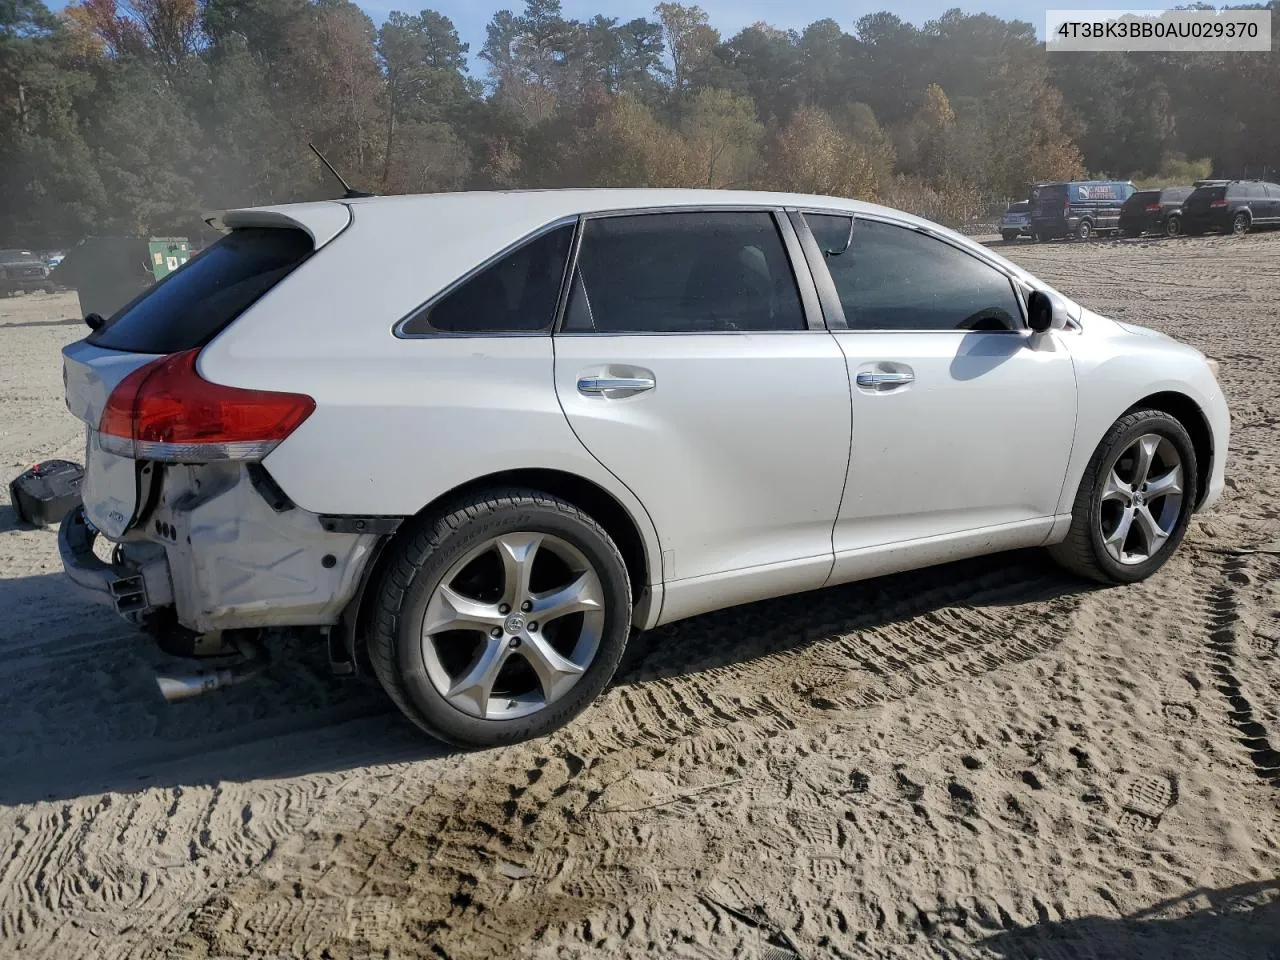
(108, 272)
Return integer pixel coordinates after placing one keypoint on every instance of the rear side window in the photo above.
(683, 273)
(895, 278)
(517, 293)
(201, 298)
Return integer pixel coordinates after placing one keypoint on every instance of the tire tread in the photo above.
(428, 535)
(1076, 552)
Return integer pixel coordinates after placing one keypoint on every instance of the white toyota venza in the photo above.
(473, 441)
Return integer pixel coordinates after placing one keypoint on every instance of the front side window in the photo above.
(696, 272)
(896, 278)
(517, 293)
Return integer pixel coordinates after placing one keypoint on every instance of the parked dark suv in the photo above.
(1236, 206)
(1078, 209)
(1154, 211)
(23, 270)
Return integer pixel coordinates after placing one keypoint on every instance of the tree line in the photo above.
(135, 116)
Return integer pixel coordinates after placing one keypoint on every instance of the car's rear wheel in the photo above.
(1134, 502)
(1173, 226)
(1084, 231)
(500, 618)
(1240, 224)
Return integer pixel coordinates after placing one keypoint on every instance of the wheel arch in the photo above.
(585, 494)
(1187, 412)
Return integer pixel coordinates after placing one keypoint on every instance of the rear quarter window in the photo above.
(200, 299)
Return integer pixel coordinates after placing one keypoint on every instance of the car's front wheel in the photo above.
(1134, 501)
(500, 618)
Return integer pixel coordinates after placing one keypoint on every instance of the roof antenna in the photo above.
(349, 194)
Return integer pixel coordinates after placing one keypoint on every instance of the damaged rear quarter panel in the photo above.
(236, 562)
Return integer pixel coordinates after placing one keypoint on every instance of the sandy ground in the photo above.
(980, 760)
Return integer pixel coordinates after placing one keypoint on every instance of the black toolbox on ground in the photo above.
(47, 492)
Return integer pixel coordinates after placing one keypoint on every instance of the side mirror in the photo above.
(1039, 311)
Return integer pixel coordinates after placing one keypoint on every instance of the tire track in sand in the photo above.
(471, 850)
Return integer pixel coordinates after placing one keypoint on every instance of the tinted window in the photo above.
(1203, 196)
(517, 293)
(1142, 198)
(1175, 194)
(1273, 191)
(683, 273)
(190, 306)
(894, 278)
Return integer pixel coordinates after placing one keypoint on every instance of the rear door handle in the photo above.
(607, 386)
(881, 381)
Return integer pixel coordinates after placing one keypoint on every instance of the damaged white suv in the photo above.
(472, 440)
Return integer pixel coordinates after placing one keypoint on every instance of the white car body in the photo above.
(758, 466)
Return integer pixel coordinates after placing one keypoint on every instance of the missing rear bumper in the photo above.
(131, 589)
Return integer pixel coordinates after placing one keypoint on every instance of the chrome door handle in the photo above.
(885, 379)
(596, 386)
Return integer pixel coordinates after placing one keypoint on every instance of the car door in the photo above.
(962, 420)
(689, 367)
(1272, 193)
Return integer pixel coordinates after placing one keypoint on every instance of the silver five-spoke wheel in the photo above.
(513, 625)
(1141, 499)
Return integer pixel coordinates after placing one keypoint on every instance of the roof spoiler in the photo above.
(322, 220)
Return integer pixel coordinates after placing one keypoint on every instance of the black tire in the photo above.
(1009, 235)
(1240, 224)
(1173, 226)
(1082, 552)
(1084, 231)
(425, 552)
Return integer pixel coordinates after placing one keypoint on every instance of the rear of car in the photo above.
(1211, 208)
(205, 540)
(1153, 212)
(1016, 221)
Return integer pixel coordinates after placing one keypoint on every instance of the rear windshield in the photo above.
(1206, 194)
(1143, 197)
(192, 305)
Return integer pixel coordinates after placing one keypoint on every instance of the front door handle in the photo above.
(884, 381)
(614, 386)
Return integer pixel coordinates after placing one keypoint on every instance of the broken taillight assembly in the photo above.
(166, 411)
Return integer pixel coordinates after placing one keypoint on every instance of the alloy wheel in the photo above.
(513, 625)
(1141, 499)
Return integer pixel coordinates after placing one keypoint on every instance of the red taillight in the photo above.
(165, 411)
(1152, 208)
(1218, 203)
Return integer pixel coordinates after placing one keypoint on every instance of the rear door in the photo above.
(1272, 201)
(962, 422)
(689, 366)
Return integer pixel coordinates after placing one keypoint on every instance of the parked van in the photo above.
(1079, 208)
